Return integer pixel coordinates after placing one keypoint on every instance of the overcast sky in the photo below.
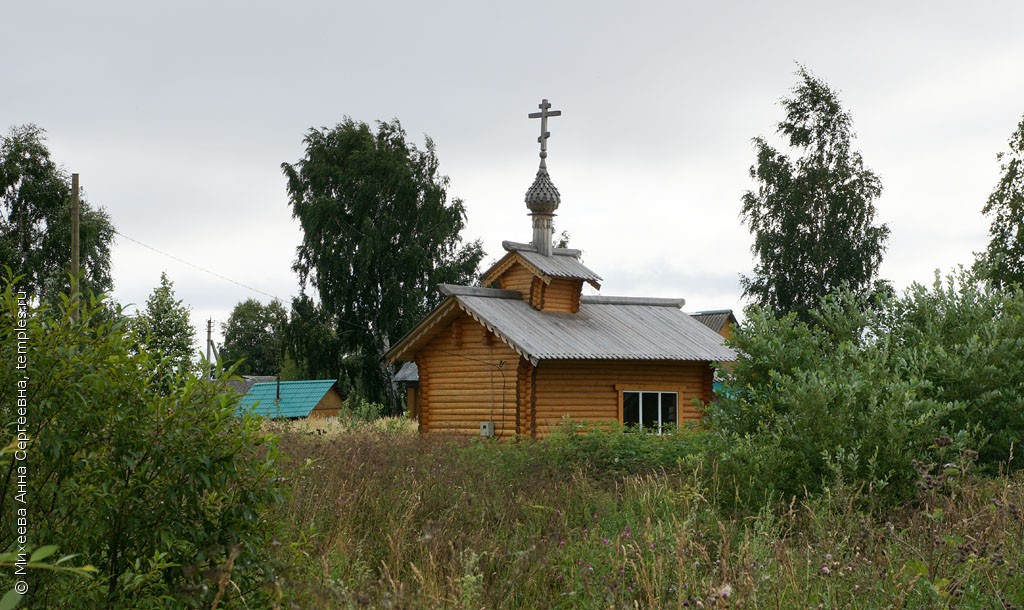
(178, 116)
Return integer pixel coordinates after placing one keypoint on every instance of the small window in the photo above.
(657, 411)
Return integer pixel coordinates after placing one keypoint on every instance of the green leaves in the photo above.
(924, 384)
(35, 220)
(254, 337)
(379, 234)
(812, 216)
(1002, 263)
(165, 329)
(142, 470)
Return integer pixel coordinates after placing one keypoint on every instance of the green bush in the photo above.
(967, 340)
(874, 396)
(613, 449)
(164, 492)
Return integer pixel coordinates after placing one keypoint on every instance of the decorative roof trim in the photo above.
(506, 262)
(426, 326)
(648, 301)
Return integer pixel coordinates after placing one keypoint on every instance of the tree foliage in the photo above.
(867, 395)
(1002, 263)
(254, 337)
(35, 220)
(165, 329)
(379, 234)
(812, 214)
(167, 493)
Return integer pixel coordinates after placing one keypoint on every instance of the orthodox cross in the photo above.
(544, 133)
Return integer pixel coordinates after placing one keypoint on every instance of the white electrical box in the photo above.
(486, 428)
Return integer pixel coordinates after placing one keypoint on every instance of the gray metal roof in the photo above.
(563, 262)
(408, 372)
(603, 329)
(715, 320)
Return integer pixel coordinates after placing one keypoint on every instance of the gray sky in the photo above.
(178, 116)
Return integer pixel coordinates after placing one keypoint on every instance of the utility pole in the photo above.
(209, 345)
(74, 246)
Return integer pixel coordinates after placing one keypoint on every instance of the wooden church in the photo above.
(516, 356)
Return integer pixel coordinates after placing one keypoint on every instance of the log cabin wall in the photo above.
(590, 389)
(329, 406)
(461, 383)
(562, 295)
(517, 277)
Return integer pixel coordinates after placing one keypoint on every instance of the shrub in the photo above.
(166, 493)
(871, 396)
(967, 340)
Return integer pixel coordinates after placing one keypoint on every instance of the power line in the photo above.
(217, 275)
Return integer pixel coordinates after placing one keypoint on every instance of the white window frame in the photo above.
(640, 393)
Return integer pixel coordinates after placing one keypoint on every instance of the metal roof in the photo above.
(245, 382)
(715, 320)
(563, 262)
(408, 372)
(603, 329)
(298, 398)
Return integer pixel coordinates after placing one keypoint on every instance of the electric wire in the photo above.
(500, 368)
(213, 273)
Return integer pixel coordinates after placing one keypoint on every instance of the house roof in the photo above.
(715, 320)
(298, 398)
(605, 328)
(408, 372)
(563, 263)
(243, 383)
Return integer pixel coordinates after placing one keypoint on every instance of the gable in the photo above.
(563, 263)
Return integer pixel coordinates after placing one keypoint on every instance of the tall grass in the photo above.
(383, 517)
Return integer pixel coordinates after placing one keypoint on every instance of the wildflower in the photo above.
(627, 532)
(725, 591)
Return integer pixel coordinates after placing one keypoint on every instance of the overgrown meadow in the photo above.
(863, 459)
(601, 519)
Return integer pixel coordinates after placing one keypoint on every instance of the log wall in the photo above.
(517, 277)
(461, 383)
(561, 294)
(591, 389)
(329, 406)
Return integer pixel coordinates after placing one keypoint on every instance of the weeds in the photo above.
(407, 521)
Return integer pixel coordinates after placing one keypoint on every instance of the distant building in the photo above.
(242, 383)
(293, 399)
(722, 321)
(517, 356)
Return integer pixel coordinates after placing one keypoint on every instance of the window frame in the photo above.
(642, 389)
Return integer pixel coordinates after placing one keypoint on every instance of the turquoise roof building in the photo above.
(299, 399)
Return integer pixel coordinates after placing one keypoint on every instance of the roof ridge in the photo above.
(514, 246)
(478, 291)
(295, 381)
(649, 301)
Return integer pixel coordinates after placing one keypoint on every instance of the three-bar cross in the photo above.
(544, 133)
